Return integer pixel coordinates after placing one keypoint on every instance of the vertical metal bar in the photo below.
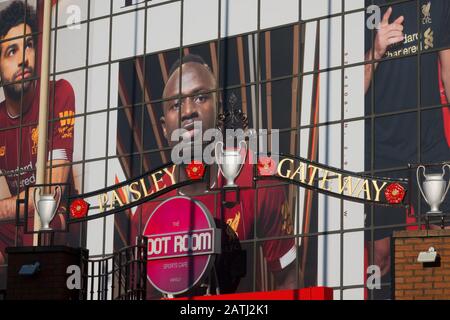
(132, 273)
(113, 276)
(296, 207)
(258, 84)
(84, 276)
(119, 295)
(372, 153)
(240, 49)
(107, 277)
(419, 97)
(16, 236)
(268, 61)
(92, 276)
(83, 227)
(127, 274)
(144, 274)
(108, 101)
(143, 96)
(53, 97)
(43, 104)
(99, 280)
(312, 148)
(180, 78)
(341, 280)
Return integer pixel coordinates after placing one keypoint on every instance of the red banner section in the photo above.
(313, 293)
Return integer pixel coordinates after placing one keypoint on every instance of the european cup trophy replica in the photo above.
(434, 189)
(46, 206)
(230, 162)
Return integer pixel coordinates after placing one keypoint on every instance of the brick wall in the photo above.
(50, 282)
(417, 281)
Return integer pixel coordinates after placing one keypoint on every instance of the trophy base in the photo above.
(46, 229)
(435, 213)
(436, 218)
(229, 186)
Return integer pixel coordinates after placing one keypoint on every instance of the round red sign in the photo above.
(182, 242)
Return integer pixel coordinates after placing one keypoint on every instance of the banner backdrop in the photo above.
(119, 65)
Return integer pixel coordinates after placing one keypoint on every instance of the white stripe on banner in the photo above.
(288, 258)
(58, 154)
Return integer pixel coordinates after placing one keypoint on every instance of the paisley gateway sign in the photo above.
(331, 181)
(328, 180)
(137, 189)
(334, 182)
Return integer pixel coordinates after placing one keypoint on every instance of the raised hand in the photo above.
(388, 34)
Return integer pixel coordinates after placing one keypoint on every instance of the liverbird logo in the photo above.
(429, 39)
(426, 11)
(34, 139)
(234, 223)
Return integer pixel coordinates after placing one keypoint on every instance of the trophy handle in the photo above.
(245, 155)
(448, 185)
(34, 197)
(418, 181)
(219, 161)
(59, 198)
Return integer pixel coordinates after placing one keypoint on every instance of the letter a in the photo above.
(74, 280)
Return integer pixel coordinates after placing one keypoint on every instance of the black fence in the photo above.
(119, 276)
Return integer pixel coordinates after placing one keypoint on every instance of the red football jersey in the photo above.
(18, 145)
(270, 218)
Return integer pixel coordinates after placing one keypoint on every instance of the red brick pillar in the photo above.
(421, 281)
(50, 282)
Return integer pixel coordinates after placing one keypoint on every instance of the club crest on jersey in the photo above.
(233, 223)
(426, 11)
(2, 151)
(66, 122)
(34, 139)
(287, 219)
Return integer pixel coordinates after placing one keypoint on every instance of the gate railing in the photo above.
(119, 276)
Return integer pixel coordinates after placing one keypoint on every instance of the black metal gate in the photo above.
(119, 276)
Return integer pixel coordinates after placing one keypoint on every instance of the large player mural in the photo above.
(20, 27)
(306, 79)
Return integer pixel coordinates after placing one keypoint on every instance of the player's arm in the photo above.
(444, 57)
(286, 278)
(276, 220)
(369, 68)
(59, 174)
(8, 207)
(61, 149)
(387, 34)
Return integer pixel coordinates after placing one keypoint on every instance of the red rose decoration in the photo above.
(195, 170)
(394, 193)
(79, 209)
(266, 166)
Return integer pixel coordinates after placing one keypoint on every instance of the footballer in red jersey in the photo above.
(259, 213)
(19, 115)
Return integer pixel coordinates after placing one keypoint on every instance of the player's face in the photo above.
(17, 60)
(197, 103)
